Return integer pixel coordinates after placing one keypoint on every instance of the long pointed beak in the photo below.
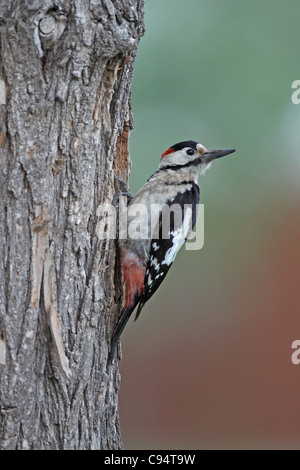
(213, 154)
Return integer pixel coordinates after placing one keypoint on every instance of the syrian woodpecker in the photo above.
(146, 259)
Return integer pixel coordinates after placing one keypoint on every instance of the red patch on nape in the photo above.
(170, 150)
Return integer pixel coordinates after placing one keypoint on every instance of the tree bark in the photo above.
(64, 128)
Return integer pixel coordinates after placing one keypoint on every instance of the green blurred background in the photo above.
(208, 363)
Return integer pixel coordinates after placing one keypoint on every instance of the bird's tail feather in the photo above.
(139, 309)
(125, 315)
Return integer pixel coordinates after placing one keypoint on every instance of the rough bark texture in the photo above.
(67, 69)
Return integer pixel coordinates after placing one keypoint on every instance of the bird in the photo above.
(145, 260)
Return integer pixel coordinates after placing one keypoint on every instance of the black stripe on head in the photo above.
(187, 143)
(194, 162)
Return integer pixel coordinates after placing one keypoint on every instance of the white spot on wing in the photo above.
(154, 263)
(180, 236)
(159, 275)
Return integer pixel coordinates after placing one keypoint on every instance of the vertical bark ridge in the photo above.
(64, 129)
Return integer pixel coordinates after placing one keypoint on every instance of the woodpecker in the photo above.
(146, 260)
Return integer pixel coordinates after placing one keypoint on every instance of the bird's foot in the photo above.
(119, 182)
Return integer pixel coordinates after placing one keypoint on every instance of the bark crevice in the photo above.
(64, 130)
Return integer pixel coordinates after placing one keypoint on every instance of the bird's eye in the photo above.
(190, 152)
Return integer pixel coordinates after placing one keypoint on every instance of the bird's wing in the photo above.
(168, 240)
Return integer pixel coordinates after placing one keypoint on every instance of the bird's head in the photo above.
(190, 153)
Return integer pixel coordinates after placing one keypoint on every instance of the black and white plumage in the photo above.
(172, 189)
(163, 249)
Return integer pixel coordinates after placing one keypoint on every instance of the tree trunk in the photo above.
(65, 120)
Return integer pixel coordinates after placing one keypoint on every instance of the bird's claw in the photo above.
(124, 190)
